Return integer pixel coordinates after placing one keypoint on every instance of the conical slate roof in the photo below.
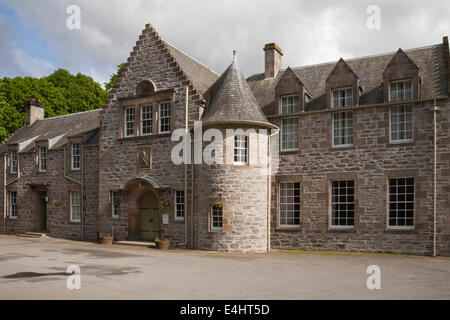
(230, 100)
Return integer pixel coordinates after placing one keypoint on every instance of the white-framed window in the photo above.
(289, 134)
(401, 123)
(342, 98)
(75, 206)
(216, 219)
(179, 205)
(290, 104)
(289, 204)
(342, 204)
(42, 159)
(130, 118)
(146, 120)
(164, 117)
(401, 203)
(14, 161)
(76, 156)
(13, 205)
(115, 203)
(400, 90)
(241, 150)
(342, 129)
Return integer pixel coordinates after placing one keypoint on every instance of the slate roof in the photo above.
(430, 61)
(201, 76)
(230, 100)
(56, 130)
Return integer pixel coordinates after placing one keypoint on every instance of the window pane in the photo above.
(289, 203)
(129, 122)
(289, 134)
(164, 117)
(401, 123)
(401, 202)
(342, 203)
(147, 120)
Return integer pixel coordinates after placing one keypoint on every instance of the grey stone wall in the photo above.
(370, 162)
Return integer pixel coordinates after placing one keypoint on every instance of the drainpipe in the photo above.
(435, 110)
(77, 182)
(4, 193)
(269, 193)
(186, 168)
(192, 197)
(5, 185)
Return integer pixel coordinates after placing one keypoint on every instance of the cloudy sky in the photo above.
(34, 38)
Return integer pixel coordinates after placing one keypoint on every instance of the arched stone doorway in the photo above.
(142, 202)
(148, 217)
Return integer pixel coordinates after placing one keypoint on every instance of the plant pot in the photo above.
(163, 245)
(106, 240)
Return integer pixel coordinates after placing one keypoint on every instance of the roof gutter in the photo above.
(435, 110)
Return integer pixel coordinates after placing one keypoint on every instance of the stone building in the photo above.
(351, 155)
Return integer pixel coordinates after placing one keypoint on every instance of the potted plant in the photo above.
(218, 204)
(162, 244)
(105, 238)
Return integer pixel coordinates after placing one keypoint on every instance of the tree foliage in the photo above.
(60, 92)
(113, 79)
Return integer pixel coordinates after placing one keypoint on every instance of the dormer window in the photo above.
(14, 161)
(342, 98)
(42, 157)
(76, 156)
(400, 90)
(289, 104)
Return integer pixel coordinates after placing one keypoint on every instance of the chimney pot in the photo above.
(35, 111)
(273, 60)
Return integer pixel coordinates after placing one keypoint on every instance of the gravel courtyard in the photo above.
(36, 269)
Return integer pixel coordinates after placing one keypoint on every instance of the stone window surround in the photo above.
(301, 93)
(138, 102)
(333, 90)
(338, 176)
(69, 202)
(177, 218)
(111, 199)
(227, 215)
(399, 81)
(211, 228)
(395, 142)
(9, 204)
(274, 223)
(71, 141)
(38, 146)
(9, 159)
(401, 173)
(337, 227)
(287, 226)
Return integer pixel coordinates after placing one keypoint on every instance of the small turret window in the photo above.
(241, 150)
(216, 218)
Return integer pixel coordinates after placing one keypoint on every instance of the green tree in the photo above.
(113, 78)
(60, 92)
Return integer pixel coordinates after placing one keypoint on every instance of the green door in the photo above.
(42, 220)
(148, 217)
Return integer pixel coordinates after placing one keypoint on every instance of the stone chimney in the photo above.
(35, 111)
(273, 63)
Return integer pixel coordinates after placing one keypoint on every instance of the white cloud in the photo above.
(32, 66)
(209, 30)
